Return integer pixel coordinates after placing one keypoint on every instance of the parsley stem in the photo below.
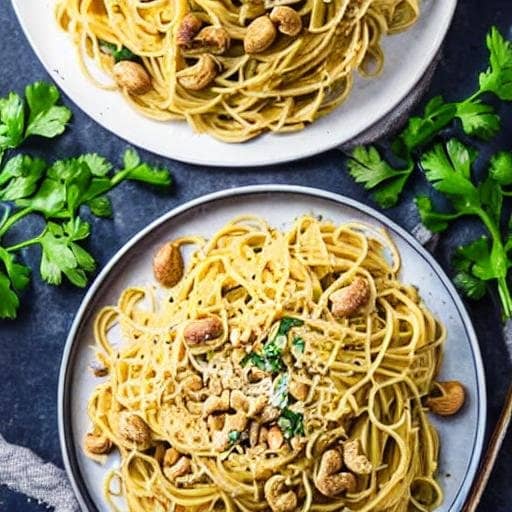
(473, 97)
(498, 248)
(506, 299)
(15, 217)
(21, 245)
(118, 177)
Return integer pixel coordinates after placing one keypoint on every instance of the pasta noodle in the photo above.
(253, 77)
(284, 371)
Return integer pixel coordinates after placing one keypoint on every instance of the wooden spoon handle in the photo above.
(491, 455)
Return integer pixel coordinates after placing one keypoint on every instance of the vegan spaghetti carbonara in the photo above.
(234, 68)
(279, 371)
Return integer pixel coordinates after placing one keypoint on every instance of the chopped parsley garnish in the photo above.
(291, 423)
(280, 392)
(298, 345)
(234, 437)
(119, 53)
(270, 359)
(287, 323)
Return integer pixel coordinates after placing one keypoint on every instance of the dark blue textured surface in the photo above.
(31, 346)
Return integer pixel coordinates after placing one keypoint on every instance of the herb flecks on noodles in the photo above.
(237, 68)
(284, 371)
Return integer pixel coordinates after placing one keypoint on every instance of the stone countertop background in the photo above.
(31, 346)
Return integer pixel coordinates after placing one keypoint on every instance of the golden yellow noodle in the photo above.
(293, 82)
(359, 377)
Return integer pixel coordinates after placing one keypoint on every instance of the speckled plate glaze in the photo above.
(408, 56)
(461, 436)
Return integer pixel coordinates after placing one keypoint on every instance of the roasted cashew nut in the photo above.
(278, 497)
(132, 77)
(252, 406)
(260, 34)
(133, 429)
(168, 265)
(188, 29)
(180, 468)
(204, 330)
(97, 444)
(288, 20)
(298, 390)
(275, 438)
(171, 456)
(451, 399)
(357, 463)
(200, 75)
(233, 423)
(348, 300)
(211, 39)
(329, 480)
(216, 404)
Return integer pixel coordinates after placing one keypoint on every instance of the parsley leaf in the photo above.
(478, 119)
(434, 221)
(62, 255)
(12, 121)
(500, 168)
(136, 170)
(270, 360)
(279, 396)
(118, 52)
(18, 274)
(420, 130)
(256, 360)
(10, 302)
(498, 78)
(367, 167)
(20, 176)
(46, 118)
(448, 169)
(100, 206)
(234, 437)
(464, 260)
(287, 323)
(291, 423)
(12, 282)
(98, 165)
(298, 345)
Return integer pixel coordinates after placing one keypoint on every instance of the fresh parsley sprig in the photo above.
(448, 167)
(57, 192)
(387, 176)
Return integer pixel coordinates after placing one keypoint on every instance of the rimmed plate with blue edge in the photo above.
(407, 57)
(461, 436)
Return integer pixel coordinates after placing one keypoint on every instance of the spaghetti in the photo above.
(284, 371)
(234, 68)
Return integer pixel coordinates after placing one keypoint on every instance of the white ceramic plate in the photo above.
(461, 436)
(407, 57)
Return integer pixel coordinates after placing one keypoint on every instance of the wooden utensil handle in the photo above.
(491, 455)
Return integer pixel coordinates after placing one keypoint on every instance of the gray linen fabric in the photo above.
(23, 471)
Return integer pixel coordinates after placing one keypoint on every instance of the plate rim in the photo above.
(265, 158)
(63, 402)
